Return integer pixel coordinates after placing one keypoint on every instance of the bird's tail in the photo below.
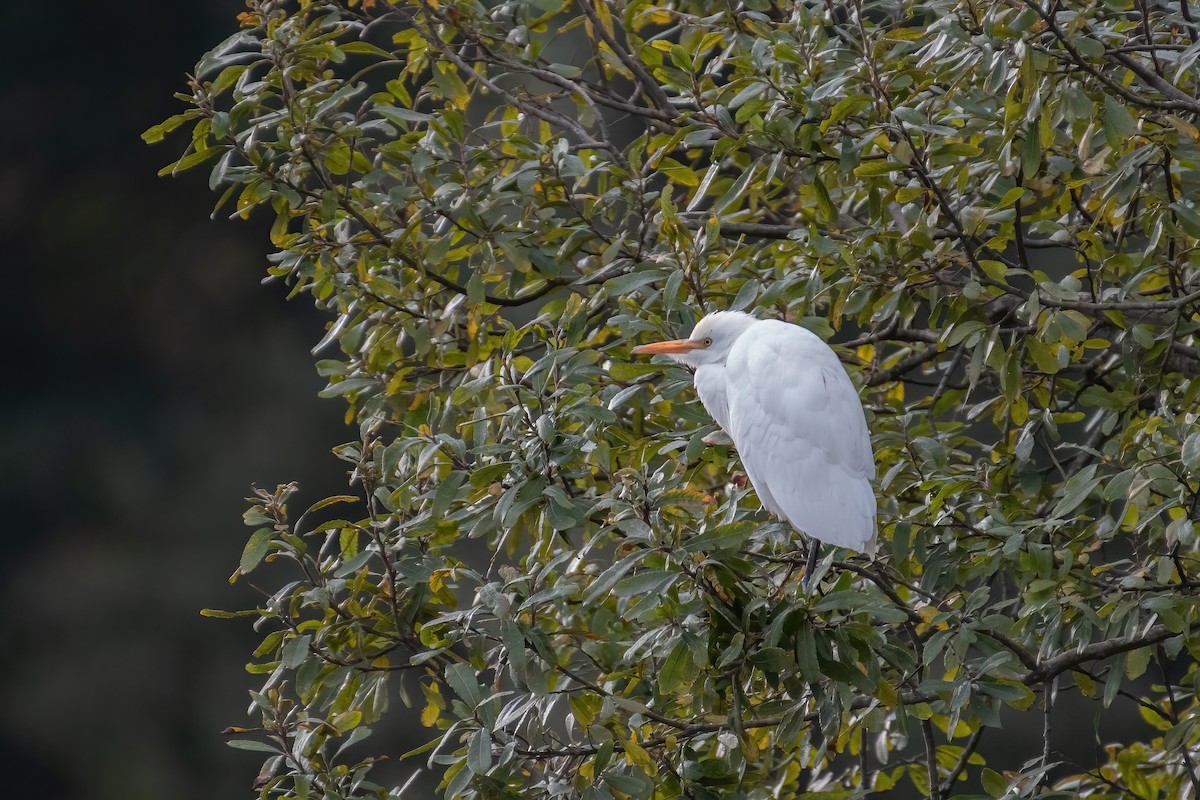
(871, 547)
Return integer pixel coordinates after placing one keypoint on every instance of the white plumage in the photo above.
(795, 418)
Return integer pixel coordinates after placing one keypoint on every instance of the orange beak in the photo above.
(673, 346)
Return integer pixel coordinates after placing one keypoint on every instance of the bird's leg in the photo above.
(814, 554)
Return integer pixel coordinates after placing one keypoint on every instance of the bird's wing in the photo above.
(800, 431)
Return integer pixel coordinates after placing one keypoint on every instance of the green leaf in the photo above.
(250, 744)
(873, 169)
(337, 158)
(1190, 453)
(722, 537)
(402, 116)
(842, 600)
(845, 108)
(329, 501)
(446, 493)
(634, 784)
(1011, 197)
(624, 284)
(623, 371)
(194, 159)
(365, 48)
(156, 133)
(465, 684)
(1118, 122)
(1015, 694)
(1076, 490)
(479, 752)
(735, 193)
(217, 613)
(1136, 662)
(678, 671)
(993, 783)
(256, 549)
(825, 203)
(607, 579)
(643, 582)
(1044, 356)
(295, 651)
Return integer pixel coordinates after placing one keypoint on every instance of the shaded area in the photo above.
(151, 380)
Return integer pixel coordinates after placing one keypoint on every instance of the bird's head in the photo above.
(710, 342)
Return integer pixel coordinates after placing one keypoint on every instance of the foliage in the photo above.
(990, 209)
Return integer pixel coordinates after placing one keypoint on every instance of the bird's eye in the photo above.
(708, 342)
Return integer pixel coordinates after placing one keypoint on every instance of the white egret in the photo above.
(795, 418)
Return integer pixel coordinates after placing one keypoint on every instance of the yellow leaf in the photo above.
(605, 15)
(1011, 196)
(636, 755)
(1183, 126)
(905, 34)
(678, 173)
(887, 694)
(750, 748)
(398, 381)
(434, 705)
(345, 721)
(1019, 411)
(994, 269)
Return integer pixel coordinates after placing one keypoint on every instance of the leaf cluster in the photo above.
(989, 209)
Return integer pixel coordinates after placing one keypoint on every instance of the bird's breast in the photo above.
(710, 386)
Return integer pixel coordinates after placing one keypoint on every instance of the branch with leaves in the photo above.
(988, 209)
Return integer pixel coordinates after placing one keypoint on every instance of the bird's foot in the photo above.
(810, 566)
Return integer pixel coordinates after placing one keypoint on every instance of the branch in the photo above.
(760, 229)
(895, 335)
(968, 750)
(644, 79)
(1121, 305)
(1097, 650)
(911, 361)
(536, 109)
(1047, 730)
(935, 788)
(1040, 673)
(1133, 97)
(1182, 100)
(1160, 656)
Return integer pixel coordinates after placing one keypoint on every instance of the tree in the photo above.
(989, 208)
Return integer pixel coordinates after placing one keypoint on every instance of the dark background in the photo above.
(150, 380)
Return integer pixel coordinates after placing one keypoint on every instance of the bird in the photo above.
(784, 398)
